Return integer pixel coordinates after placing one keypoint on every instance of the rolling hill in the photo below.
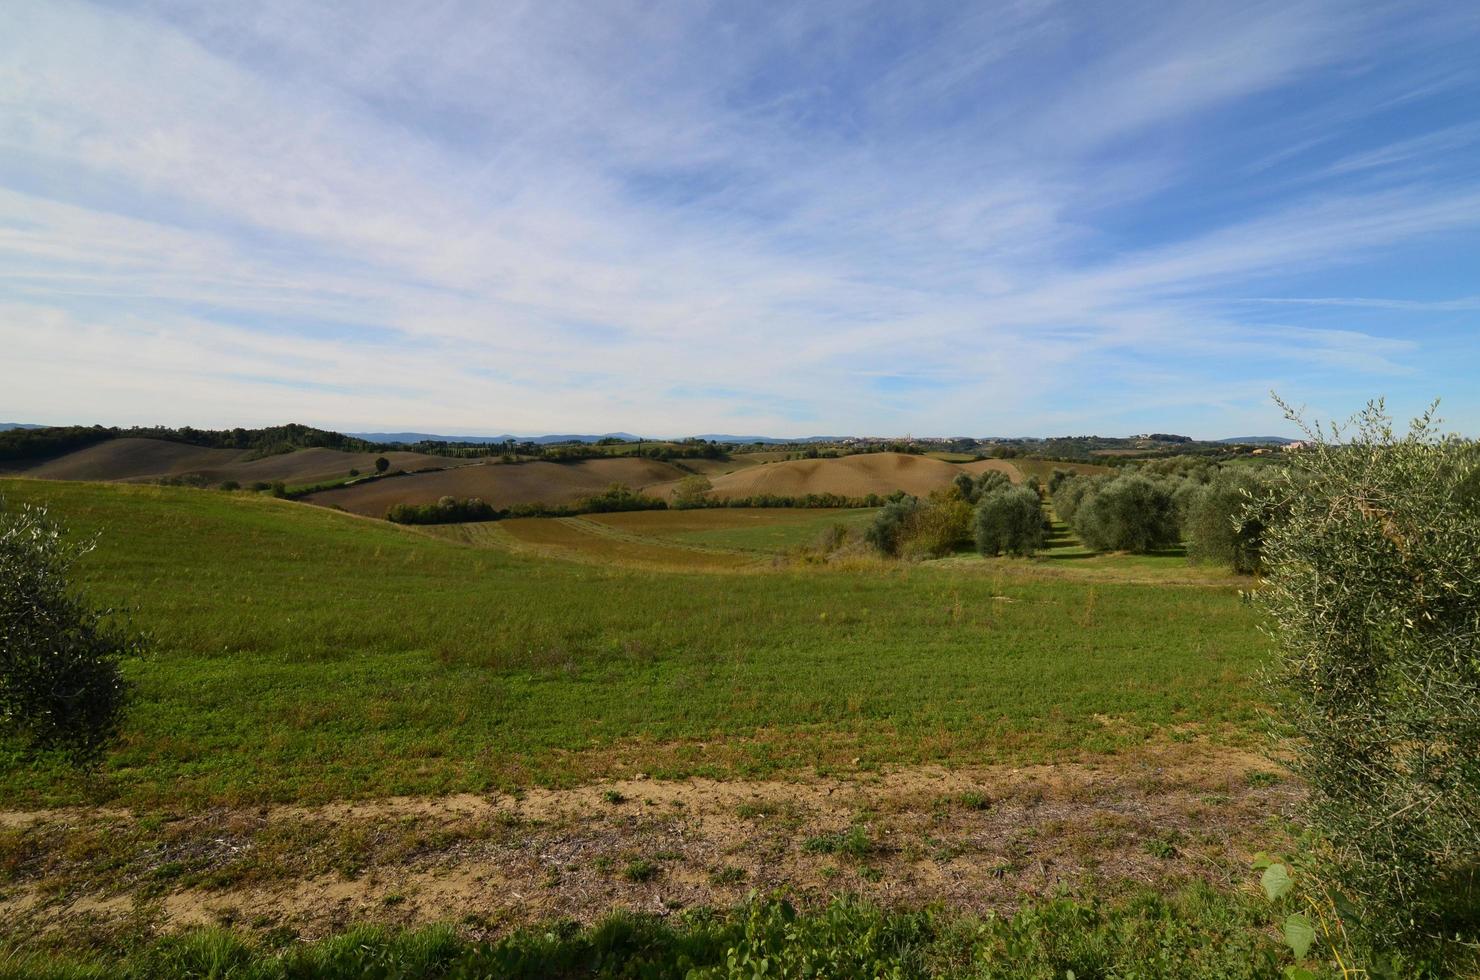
(849, 476)
(136, 460)
(501, 484)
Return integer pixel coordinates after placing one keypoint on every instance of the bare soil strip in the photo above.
(969, 839)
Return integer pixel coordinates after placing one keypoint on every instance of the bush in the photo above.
(692, 491)
(382, 464)
(940, 525)
(618, 498)
(1010, 522)
(1373, 593)
(61, 686)
(447, 510)
(889, 525)
(1129, 513)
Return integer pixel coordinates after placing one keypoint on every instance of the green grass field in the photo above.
(305, 655)
(767, 529)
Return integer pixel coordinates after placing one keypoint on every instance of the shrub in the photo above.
(692, 491)
(230, 485)
(382, 464)
(1010, 521)
(938, 526)
(1129, 513)
(889, 525)
(618, 498)
(61, 686)
(1373, 593)
(447, 510)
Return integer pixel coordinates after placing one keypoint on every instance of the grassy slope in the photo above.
(764, 529)
(309, 655)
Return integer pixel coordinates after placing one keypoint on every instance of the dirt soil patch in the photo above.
(502, 484)
(848, 476)
(969, 839)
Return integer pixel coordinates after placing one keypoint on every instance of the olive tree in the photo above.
(1128, 513)
(1225, 521)
(61, 686)
(1373, 599)
(1010, 521)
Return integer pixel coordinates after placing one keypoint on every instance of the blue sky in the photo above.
(826, 217)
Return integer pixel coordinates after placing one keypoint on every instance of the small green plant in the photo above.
(727, 875)
(1313, 919)
(641, 869)
(974, 800)
(613, 797)
(1161, 847)
(853, 842)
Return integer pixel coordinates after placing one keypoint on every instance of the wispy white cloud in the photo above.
(552, 216)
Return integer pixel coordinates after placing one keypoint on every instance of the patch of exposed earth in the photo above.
(967, 839)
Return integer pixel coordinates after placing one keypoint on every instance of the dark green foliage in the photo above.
(1129, 513)
(1225, 520)
(448, 510)
(1194, 468)
(41, 443)
(51, 441)
(451, 510)
(1071, 493)
(1010, 521)
(382, 464)
(1373, 590)
(973, 489)
(887, 530)
(618, 498)
(60, 682)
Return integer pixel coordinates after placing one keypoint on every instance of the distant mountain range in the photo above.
(410, 437)
(432, 437)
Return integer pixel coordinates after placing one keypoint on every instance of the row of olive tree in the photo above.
(1219, 512)
(985, 510)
